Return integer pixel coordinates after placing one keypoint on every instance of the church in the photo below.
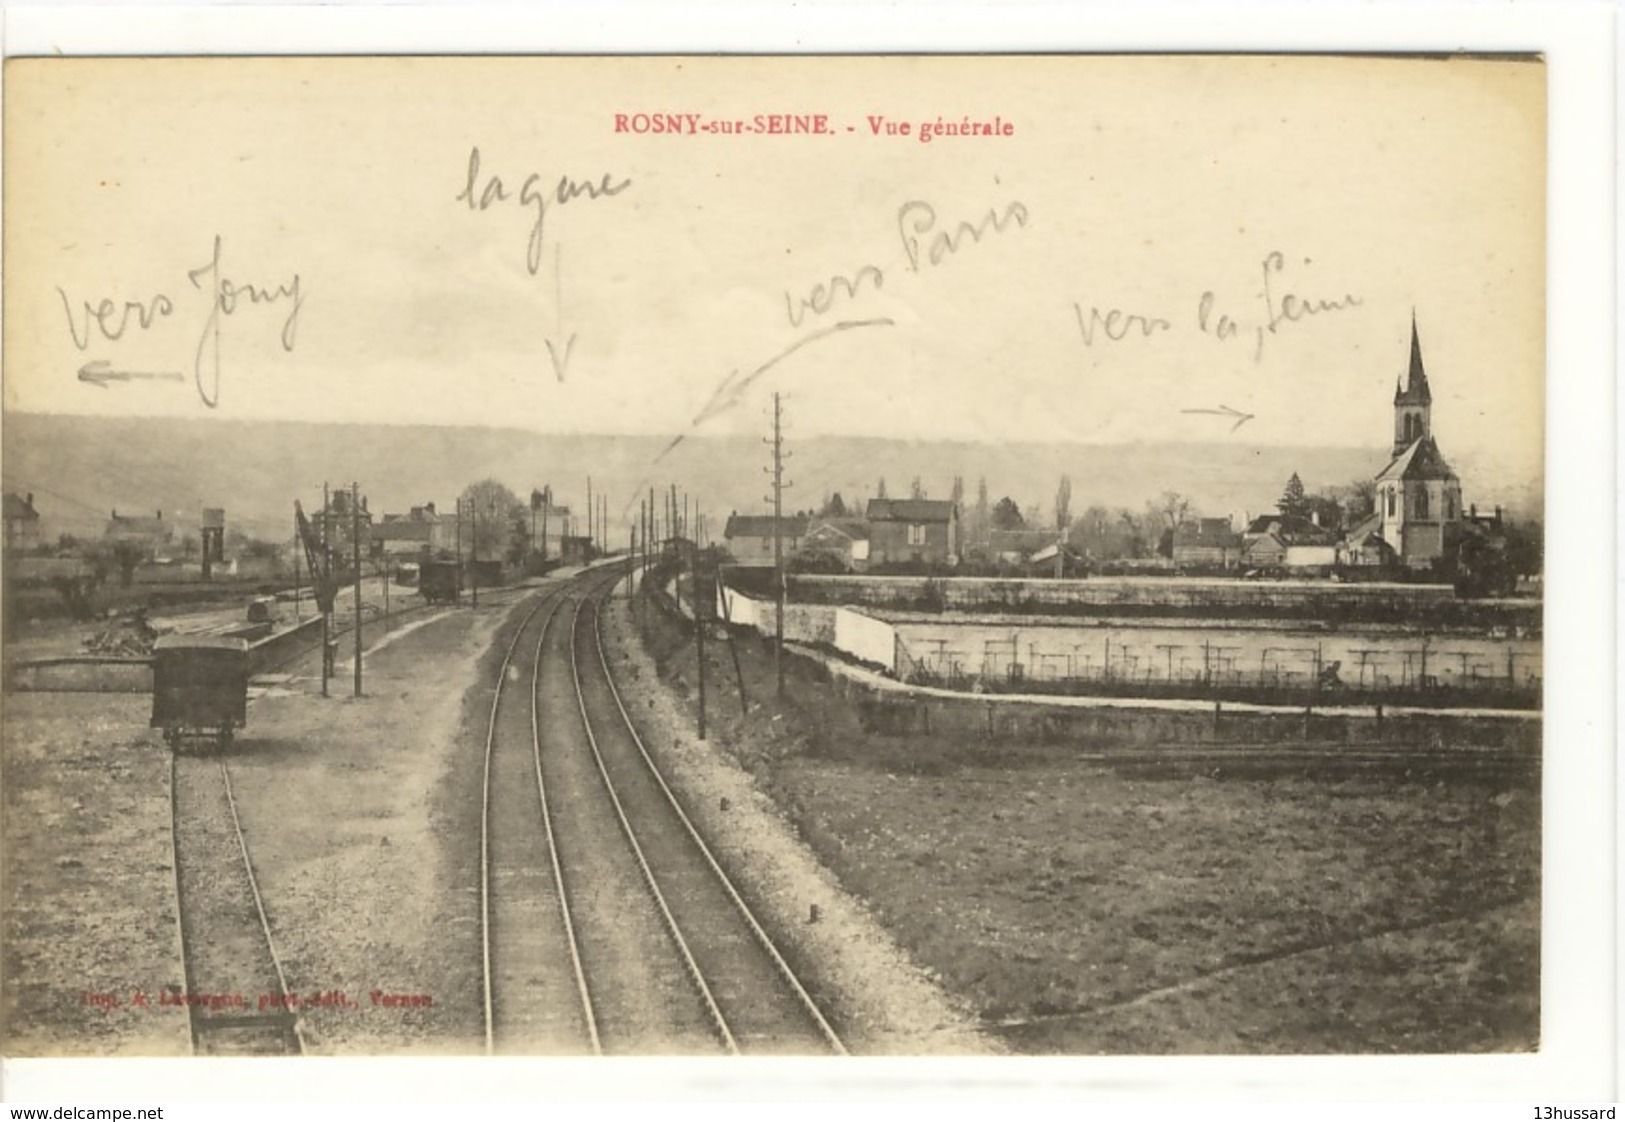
(1418, 495)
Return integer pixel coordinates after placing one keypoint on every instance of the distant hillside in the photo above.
(80, 468)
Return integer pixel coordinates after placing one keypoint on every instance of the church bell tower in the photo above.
(1413, 403)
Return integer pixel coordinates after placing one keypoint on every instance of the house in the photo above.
(846, 538)
(750, 537)
(419, 531)
(1418, 493)
(151, 536)
(576, 549)
(344, 525)
(1362, 547)
(1017, 547)
(1058, 560)
(1207, 543)
(22, 522)
(1288, 540)
(549, 522)
(1310, 555)
(913, 531)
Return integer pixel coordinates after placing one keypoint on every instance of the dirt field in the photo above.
(351, 813)
(89, 888)
(362, 818)
(1080, 910)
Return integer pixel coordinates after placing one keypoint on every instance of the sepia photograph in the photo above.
(881, 556)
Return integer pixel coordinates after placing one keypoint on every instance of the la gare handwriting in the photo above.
(534, 195)
(108, 321)
(1114, 325)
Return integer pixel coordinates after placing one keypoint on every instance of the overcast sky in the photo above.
(1136, 184)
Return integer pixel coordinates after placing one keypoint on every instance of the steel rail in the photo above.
(552, 845)
(485, 824)
(717, 1019)
(762, 938)
(259, 906)
(188, 974)
(180, 919)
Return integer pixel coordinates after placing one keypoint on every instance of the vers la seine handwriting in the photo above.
(108, 321)
(1281, 309)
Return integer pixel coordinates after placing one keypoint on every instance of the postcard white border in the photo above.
(1580, 1043)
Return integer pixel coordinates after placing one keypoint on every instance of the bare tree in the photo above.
(1175, 508)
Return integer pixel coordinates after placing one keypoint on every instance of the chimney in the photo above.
(28, 500)
(160, 516)
(1472, 511)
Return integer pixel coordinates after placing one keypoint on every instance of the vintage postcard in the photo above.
(956, 556)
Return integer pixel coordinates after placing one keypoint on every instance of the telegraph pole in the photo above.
(592, 518)
(355, 550)
(298, 548)
(327, 573)
(474, 549)
(699, 629)
(778, 543)
(457, 586)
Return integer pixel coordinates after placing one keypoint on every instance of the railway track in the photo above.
(236, 994)
(534, 989)
(663, 952)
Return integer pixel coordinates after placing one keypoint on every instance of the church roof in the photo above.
(1421, 460)
(1415, 391)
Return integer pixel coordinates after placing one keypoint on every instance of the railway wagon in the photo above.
(440, 581)
(199, 687)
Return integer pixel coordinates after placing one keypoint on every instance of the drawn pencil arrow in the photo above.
(731, 390)
(99, 372)
(1225, 411)
(560, 362)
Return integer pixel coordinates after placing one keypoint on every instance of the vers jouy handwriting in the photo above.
(108, 321)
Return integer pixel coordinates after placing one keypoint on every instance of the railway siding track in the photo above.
(236, 993)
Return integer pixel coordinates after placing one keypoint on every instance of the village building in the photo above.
(151, 536)
(750, 537)
(422, 530)
(1017, 547)
(1288, 541)
(844, 538)
(1206, 543)
(913, 531)
(22, 522)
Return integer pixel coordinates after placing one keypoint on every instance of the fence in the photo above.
(1225, 664)
(1170, 596)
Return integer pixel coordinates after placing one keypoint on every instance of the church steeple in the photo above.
(1413, 403)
